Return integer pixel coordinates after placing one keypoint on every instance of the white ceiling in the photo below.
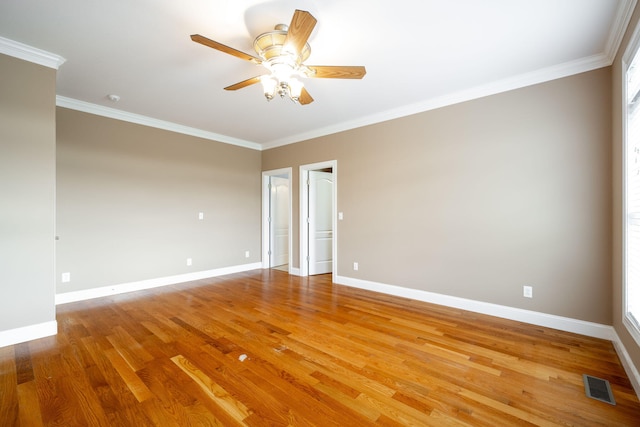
(419, 55)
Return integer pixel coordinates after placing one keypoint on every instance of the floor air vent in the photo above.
(599, 389)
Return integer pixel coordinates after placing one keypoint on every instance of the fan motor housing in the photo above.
(270, 45)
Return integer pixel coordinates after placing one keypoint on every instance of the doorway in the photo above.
(276, 219)
(318, 233)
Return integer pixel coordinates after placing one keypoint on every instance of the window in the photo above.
(632, 199)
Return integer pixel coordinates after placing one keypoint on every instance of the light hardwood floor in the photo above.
(265, 348)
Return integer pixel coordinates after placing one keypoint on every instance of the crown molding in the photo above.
(516, 82)
(99, 110)
(527, 79)
(31, 54)
(618, 29)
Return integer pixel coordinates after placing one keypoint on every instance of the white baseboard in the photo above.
(582, 327)
(28, 333)
(294, 271)
(104, 291)
(627, 363)
(567, 324)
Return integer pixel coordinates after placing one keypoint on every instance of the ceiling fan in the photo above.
(283, 52)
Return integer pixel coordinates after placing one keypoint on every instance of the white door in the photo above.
(320, 222)
(279, 221)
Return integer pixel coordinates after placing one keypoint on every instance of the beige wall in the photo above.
(478, 199)
(631, 346)
(129, 196)
(27, 193)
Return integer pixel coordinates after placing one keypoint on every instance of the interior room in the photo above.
(434, 226)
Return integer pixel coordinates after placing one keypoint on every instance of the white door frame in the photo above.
(265, 214)
(304, 214)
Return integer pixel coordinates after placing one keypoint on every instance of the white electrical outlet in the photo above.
(200, 215)
(189, 261)
(246, 254)
(340, 216)
(66, 277)
(355, 266)
(527, 291)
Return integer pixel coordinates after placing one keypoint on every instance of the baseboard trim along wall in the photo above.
(567, 324)
(294, 271)
(28, 333)
(527, 316)
(629, 367)
(104, 291)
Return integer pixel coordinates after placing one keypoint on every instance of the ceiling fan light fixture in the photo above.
(282, 79)
(281, 70)
(295, 88)
(291, 88)
(269, 84)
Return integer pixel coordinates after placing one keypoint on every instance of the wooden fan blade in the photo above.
(336, 72)
(244, 83)
(305, 98)
(300, 29)
(224, 48)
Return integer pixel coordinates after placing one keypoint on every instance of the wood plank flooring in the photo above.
(267, 349)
